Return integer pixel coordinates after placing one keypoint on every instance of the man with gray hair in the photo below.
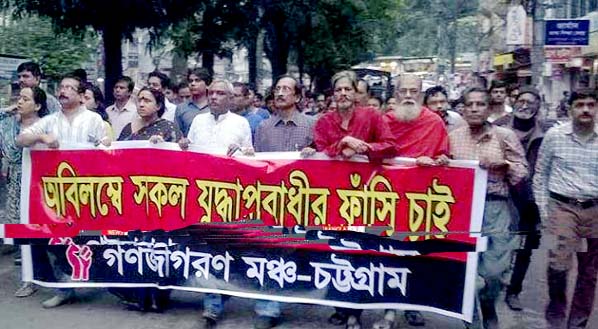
(351, 129)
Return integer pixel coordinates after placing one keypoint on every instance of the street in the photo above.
(96, 308)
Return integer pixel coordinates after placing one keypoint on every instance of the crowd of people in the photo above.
(534, 176)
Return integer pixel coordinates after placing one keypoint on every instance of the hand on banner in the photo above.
(425, 161)
(248, 151)
(488, 164)
(155, 139)
(357, 145)
(348, 152)
(106, 141)
(442, 160)
(50, 140)
(184, 143)
(307, 152)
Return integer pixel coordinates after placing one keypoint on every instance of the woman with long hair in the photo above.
(30, 107)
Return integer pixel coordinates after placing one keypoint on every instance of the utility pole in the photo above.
(537, 55)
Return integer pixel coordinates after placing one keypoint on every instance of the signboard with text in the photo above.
(567, 32)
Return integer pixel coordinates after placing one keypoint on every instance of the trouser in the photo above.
(267, 308)
(213, 305)
(522, 261)
(571, 224)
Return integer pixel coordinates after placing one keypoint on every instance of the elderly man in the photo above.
(72, 124)
(352, 130)
(499, 151)
(566, 190)
(221, 132)
(349, 131)
(524, 121)
(418, 131)
(419, 134)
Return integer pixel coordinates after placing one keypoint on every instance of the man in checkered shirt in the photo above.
(566, 190)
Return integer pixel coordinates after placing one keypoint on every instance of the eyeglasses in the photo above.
(67, 87)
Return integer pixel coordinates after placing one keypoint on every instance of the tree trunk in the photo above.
(207, 61)
(252, 58)
(179, 67)
(112, 37)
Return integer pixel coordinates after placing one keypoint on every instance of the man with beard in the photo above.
(420, 134)
(498, 100)
(436, 99)
(524, 122)
(199, 79)
(566, 190)
(352, 130)
(348, 131)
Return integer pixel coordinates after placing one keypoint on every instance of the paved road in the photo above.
(97, 309)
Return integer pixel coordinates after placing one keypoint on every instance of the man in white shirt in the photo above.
(159, 81)
(124, 108)
(219, 131)
(73, 124)
(222, 132)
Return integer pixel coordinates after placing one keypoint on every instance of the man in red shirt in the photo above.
(352, 129)
(419, 132)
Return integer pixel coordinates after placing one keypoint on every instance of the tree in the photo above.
(114, 19)
(32, 37)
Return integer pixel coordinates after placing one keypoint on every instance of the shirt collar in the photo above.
(220, 117)
(296, 118)
(568, 128)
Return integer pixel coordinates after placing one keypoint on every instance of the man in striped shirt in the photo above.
(566, 187)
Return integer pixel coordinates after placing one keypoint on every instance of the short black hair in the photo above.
(40, 98)
(81, 73)
(582, 93)
(159, 96)
(243, 86)
(98, 96)
(182, 85)
(475, 90)
(128, 81)
(31, 67)
(433, 91)
(202, 73)
(497, 84)
(164, 79)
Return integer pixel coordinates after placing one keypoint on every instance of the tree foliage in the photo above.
(57, 54)
(115, 19)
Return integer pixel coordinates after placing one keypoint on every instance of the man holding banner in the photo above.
(499, 151)
(73, 124)
(346, 132)
(353, 130)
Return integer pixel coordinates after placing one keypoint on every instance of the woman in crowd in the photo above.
(31, 106)
(94, 101)
(148, 126)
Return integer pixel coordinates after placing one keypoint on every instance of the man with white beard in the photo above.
(419, 132)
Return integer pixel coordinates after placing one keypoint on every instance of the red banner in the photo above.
(149, 188)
